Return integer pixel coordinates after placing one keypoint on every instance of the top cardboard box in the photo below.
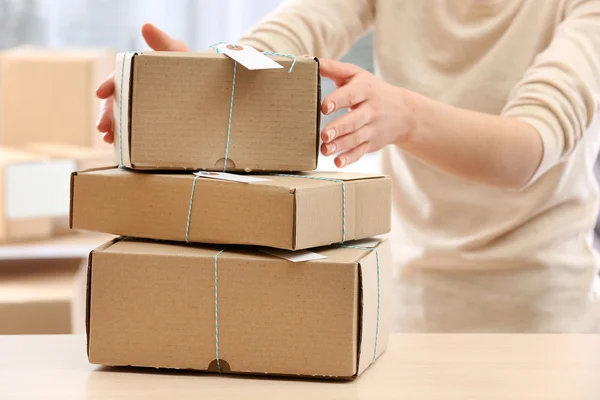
(48, 95)
(172, 111)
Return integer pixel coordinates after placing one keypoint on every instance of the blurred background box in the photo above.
(83, 158)
(48, 95)
(34, 190)
(43, 283)
(38, 299)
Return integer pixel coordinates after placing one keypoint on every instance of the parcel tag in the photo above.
(224, 176)
(248, 56)
(294, 256)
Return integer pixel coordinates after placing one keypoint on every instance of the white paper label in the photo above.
(38, 189)
(224, 176)
(294, 256)
(248, 56)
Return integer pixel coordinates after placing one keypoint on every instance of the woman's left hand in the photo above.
(380, 113)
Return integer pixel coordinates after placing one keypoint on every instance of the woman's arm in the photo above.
(546, 116)
(323, 28)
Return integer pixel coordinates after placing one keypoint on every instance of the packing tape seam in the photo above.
(320, 178)
(378, 292)
(218, 51)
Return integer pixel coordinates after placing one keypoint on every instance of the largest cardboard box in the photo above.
(48, 95)
(287, 212)
(192, 111)
(236, 309)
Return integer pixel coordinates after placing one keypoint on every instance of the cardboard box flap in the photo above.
(312, 179)
(336, 254)
(214, 54)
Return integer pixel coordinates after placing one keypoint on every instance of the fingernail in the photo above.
(98, 122)
(330, 148)
(342, 162)
(330, 108)
(329, 135)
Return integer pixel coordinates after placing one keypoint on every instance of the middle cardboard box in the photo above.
(289, 212)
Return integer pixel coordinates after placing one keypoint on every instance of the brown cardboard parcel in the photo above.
(33, 193)
(286, 212)
(175, 305)
(172, 111)
(48, 95)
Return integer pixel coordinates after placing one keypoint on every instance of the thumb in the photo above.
(339, 72)
(159, 40)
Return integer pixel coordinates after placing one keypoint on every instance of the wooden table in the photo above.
(415, 367)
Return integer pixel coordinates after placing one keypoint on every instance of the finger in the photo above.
(346, 96)
(109, 137)
(347, 123)
(159, 40)
(105, 120)
(352, 156)
(347, 142)
(339, 72)
(107, 88)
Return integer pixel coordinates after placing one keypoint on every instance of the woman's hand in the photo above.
(380, 113)
(158, 41)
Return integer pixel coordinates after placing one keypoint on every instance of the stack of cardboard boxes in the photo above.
(48, 113)
(280, 273)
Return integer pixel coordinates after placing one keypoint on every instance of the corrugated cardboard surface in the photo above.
(174, 108)
(49, 96)
(285, 212)
(36, 296)
(153, 304)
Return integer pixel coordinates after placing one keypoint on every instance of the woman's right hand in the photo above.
(158, 41)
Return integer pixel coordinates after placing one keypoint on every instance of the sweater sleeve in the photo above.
(558, 94)
(323, 28)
